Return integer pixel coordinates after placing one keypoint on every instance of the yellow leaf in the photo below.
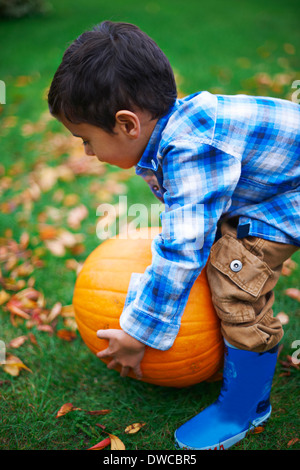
(116, 443)
(133, 428)
(67, 311)
(4, 296)
(13, 365)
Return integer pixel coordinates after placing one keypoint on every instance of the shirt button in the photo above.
(236, 265)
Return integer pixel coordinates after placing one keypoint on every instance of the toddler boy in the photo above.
(227, 170)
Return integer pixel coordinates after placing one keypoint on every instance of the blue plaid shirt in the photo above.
(212, 157)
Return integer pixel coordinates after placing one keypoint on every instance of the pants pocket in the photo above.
(236, 278)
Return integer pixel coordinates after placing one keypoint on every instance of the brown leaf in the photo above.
(15, 310)
(258, 430)
(47, 328)
(13, 365)
(17, 342)
(101, 445)
(24, 240)
(32, 339)
(98, 412)
(293, 293)
(66, 335)
(72, 264)
(64, 409)
(293, 441)
(29, 293)
(133, 428)
(48, 232)
(102, 426)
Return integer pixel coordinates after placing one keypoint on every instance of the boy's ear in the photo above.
(128, 123)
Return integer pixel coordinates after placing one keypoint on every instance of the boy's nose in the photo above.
(89, 151)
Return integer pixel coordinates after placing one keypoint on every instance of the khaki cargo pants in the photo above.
(241, 274)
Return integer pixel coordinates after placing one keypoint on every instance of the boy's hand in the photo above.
(124, 350)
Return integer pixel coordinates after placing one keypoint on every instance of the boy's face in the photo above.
(124, 148)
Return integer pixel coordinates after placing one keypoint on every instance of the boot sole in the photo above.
(228, 442)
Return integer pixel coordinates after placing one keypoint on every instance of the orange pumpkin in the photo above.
(99, 297)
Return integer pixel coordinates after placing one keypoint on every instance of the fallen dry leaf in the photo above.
(258, 430)
(17, 342)
(56, 247)
(293, 441)
(46, 328)
(16, 310)
(133, 428)
(54, 312)
(98, 412)
(13, 365)
(4, 296)
(66, 408)
(283, 318)
(288, 267)
(66, 335)
(68, 311)
(293, 293)
(101, 445)
(116, 443)
(76, 216)
(48, 232)
(71, 324)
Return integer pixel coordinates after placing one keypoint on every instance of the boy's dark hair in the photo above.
(112, 67)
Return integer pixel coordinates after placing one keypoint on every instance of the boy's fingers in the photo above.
(138, 372)
(105, 334)
(112, 364)
(124, 371)
(104, 353)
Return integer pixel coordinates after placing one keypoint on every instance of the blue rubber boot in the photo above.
(243, 403)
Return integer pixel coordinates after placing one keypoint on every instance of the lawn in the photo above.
(49, 194)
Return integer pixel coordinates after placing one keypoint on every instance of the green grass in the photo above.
(219, 46)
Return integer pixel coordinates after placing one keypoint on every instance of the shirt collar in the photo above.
(149, 157)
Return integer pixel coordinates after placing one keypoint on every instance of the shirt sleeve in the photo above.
(199, 181)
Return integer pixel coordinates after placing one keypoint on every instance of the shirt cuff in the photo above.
(144, 327)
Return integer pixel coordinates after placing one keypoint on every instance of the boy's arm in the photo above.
(199, 181)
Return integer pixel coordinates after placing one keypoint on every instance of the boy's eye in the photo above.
(85, 142)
